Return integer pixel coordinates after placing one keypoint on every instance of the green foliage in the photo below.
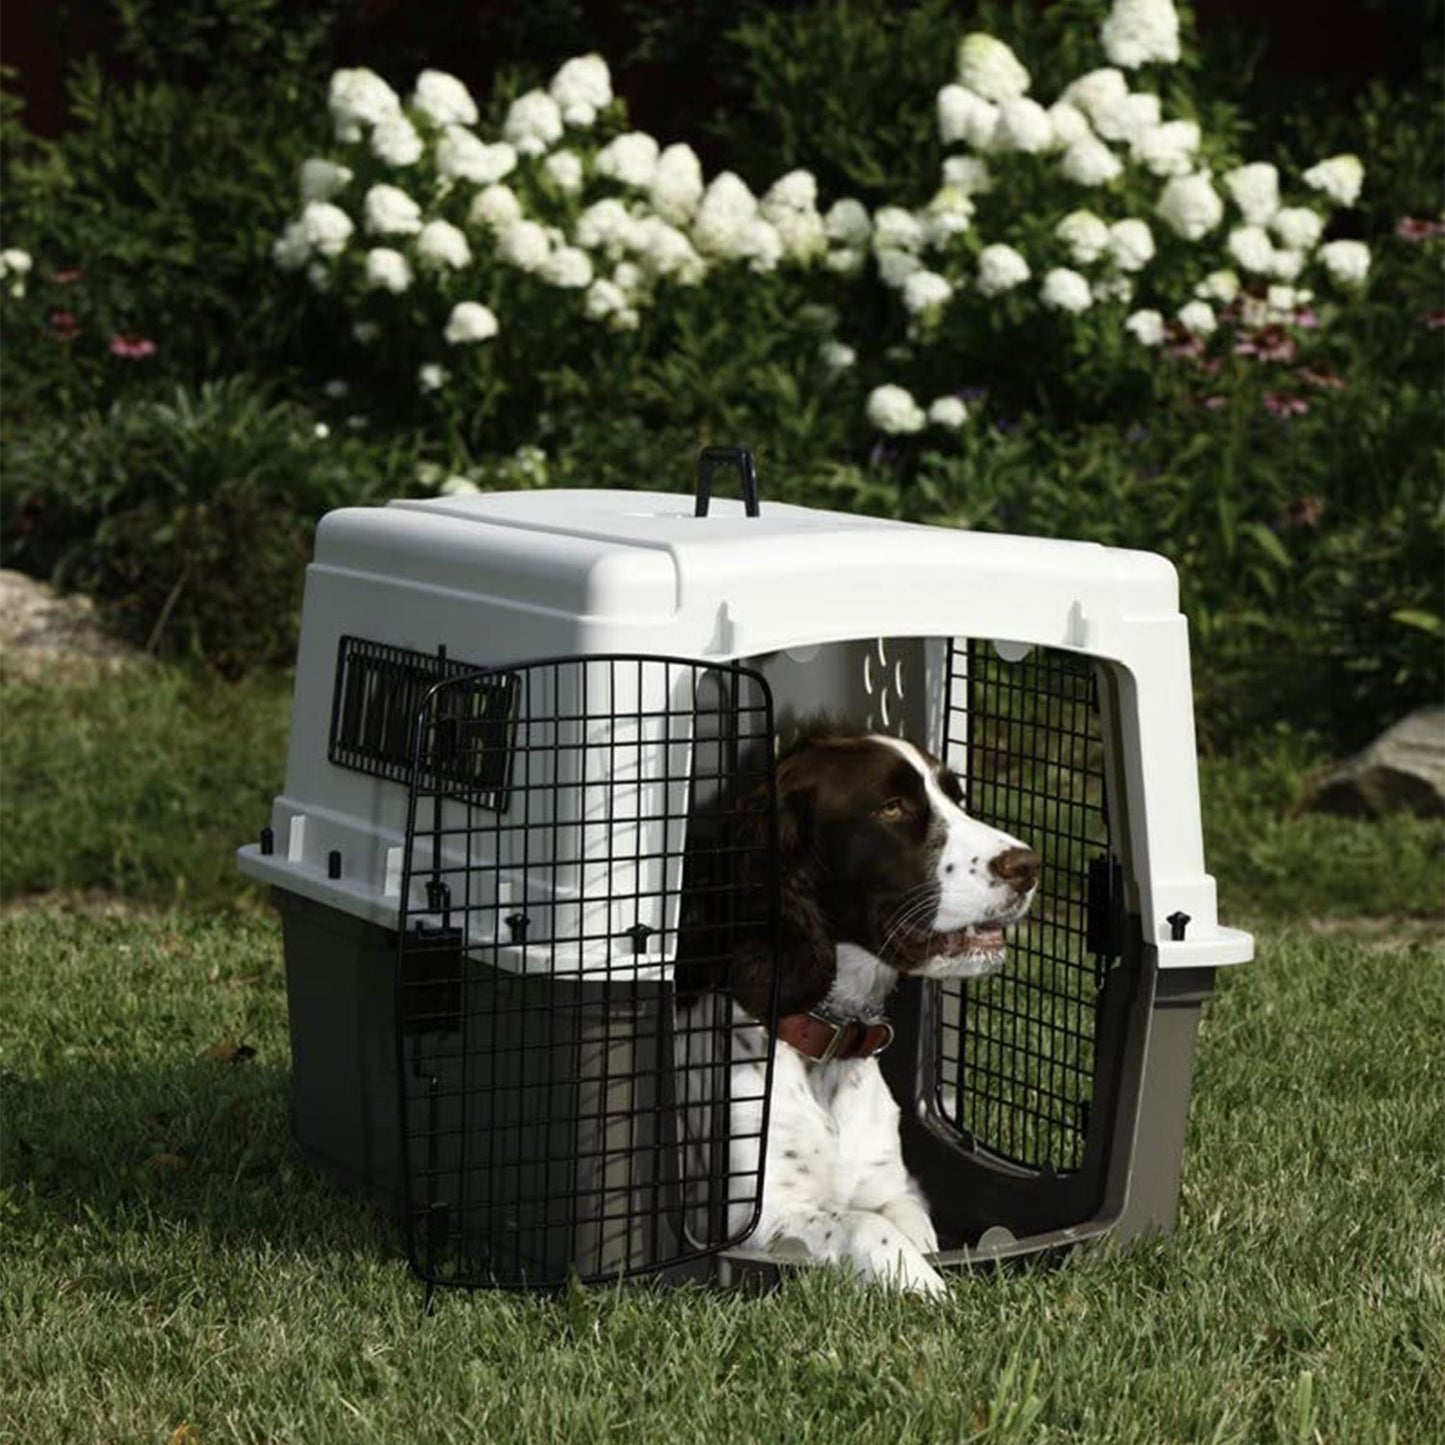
(190, 520)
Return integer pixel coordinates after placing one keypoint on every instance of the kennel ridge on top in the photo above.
(513, 715)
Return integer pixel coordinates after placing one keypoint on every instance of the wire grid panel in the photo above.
(1014, 1054)
(560, 1114)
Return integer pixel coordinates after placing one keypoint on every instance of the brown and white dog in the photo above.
(883, 874)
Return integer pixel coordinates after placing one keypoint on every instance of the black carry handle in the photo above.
(710, 459)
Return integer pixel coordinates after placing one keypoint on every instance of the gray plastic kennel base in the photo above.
(341, 992)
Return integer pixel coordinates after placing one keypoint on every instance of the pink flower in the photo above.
(64, 278)
(1306, 319)
(1214, 403)
(1412, 228)
(1269, 343)
(1282, 404)
(132, 348)
(1302, 512)
(67, 328)
(1434, 319)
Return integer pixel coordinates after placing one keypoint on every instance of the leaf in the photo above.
(1430, 622)
(1268, 543)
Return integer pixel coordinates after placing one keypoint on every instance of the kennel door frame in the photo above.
(445, 1111)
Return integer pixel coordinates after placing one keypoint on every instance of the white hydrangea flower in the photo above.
(1197, 318)
(796, 191)
(533, 124)
(457, 485)
(1252, 249)
(948, 412)
(1221, 286)
(581, 88)
(441, 245)
(15, 262)
(395, 142)
(1085, 235)
(988, 67)
(389, 211)
(1023, 125)
(1339, 177)
(525, 245)
(1287, 264)
(1255, 190)
(1127, 119)
(327, 228)
(1168, 149)
(322, 179)
(387, 270)
(1066, 290)
(925, 292)
(607, 225)
(965, 117)
(895, 229)
(1190, 206)
(848, 224)
(666, 251)
(892, 409)
(760, 245)
(365, 332)
(1000, 269)
(564, 170)
(1348, 262)
(432, 377)
(1298, 227)
(291, 250)
(677, 185)
(1070, 124)
(1282, 301)
(463, 156)
(1090, 162)
(629, 159)
(1103, 89)
(968, 175)
(895, 267)
(608, 303)
(470, 321)
(495, 207)
(1115, 286)
(847, 261)
(1146, 327)
(948, 214)
(723, 215)
(358, 98)
(1139, 31)
(444, 98)
(836, 355)
(630, 279)
(1131, 245)
(568, 267)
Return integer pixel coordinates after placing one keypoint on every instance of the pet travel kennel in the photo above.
(529, 797)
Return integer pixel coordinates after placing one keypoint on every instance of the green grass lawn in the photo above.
(171, 1271)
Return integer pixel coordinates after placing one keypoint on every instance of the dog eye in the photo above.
(891, 811)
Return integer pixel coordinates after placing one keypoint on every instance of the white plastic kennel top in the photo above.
(499, 579)
(638, 571)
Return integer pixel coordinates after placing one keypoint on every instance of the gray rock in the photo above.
(1403, 770)
(50, 637)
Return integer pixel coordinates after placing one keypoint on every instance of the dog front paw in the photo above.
(912, 1219)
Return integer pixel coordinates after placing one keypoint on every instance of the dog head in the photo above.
(877, 851)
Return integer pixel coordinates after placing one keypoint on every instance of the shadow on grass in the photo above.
(204, 1143)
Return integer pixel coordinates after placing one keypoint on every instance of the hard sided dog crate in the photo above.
(529, 797)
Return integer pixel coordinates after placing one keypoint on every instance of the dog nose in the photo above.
(1018, 867)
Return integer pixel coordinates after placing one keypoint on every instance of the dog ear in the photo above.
(795, 793)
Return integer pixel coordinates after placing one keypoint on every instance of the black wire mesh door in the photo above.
(1022, 1067)
(575, 828)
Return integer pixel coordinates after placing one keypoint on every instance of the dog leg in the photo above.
(910, 1214)
(871, 1245)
